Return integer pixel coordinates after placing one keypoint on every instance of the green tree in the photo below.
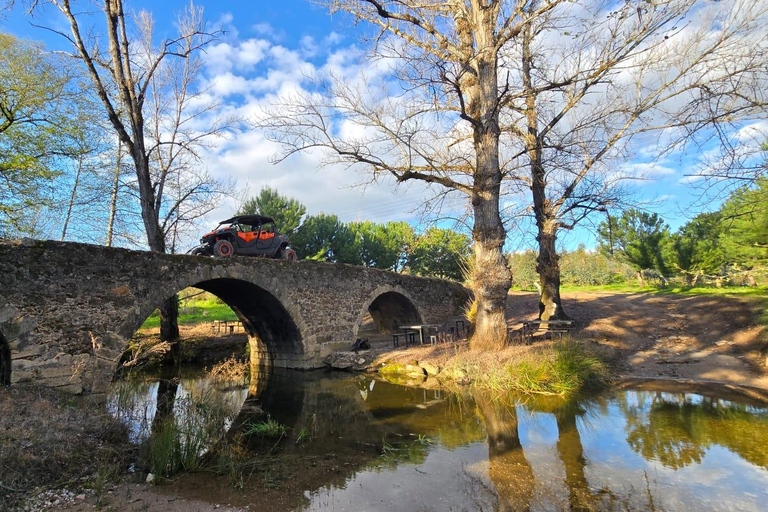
(696, 248)
(286, 211)
(744, 227)
(584, 268)
(638, 237)
(44, 118)
(324, 238)
(382, 245)
(523, 267)
(440, 253)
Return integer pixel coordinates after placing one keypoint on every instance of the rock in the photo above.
(80, 497)
(413, 370)
(429, 368)
(150, 478)
(457, 375)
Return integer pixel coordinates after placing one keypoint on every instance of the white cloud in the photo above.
(308, 46)
(264, 29)
(227, 84)
(691, 178)
(330, 189)
(333, 38)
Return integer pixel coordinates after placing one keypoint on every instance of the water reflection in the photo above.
(356, 443)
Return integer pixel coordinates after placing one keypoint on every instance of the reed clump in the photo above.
(547, 368)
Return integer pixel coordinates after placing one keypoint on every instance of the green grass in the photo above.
(182, 439)
(569, 368)
(614, 287)
(560, 369)
(267, 428)
(741, 291)
(198, 309)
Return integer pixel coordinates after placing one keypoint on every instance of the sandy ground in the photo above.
(702, 339)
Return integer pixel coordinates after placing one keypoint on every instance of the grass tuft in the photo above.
(266, 428)
(566, 369)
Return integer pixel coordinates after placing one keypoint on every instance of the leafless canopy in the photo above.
(566, 91)
(149, 96)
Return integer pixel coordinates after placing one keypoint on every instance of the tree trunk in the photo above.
(548, 268)
(169, 311)
(113, 198)
(169, 315)
(491, 278)
(510, 471)
(640, 280)
(5, 362)
(72, 197)
(166, 399)
(571, 452)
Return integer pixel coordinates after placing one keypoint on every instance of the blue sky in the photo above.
(265, 46)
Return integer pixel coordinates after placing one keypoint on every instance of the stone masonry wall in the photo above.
(68, 310)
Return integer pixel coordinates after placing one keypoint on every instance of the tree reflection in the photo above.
(510, 471)
(571, 453)
(166, 400)
(678, 432)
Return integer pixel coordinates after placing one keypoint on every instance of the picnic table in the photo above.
(409, 332)
(226, 326)
(530, 327)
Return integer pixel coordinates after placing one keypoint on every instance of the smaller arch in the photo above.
(389, 307)
(5, 361)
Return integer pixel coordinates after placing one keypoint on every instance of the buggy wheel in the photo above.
(288, 254)
(223, 249)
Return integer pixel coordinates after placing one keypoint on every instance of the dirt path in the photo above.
(703, 338)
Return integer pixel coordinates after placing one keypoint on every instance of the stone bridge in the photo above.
(68, 310)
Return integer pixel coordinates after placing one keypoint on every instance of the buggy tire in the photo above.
(223, 249)
(288, 254)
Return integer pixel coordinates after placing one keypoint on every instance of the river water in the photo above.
(355, 443)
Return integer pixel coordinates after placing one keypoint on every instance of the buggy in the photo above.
(247, 235)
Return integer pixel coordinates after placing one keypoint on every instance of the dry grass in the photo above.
(232, 369)
(51, 439)
(550, 368)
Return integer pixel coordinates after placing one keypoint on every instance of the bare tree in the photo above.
(442, 128)
(543, 98)
(146, 91)
(596, 79)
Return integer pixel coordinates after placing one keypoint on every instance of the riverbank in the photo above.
(689, 338)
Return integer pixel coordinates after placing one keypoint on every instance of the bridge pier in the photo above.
(68, 310)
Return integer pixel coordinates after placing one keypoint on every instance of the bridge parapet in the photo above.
(68, 310)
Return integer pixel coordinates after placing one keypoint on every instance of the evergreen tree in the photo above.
(637, 237)
(286, 211)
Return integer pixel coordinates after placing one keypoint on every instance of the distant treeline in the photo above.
(395, 246)
(725, 247)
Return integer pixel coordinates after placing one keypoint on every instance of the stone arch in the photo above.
(263, 314)
(272, 322)
(5, 361)
(390, 307)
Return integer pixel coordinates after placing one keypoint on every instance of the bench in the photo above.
(550, 327)
(226, 327)
(408, 335)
